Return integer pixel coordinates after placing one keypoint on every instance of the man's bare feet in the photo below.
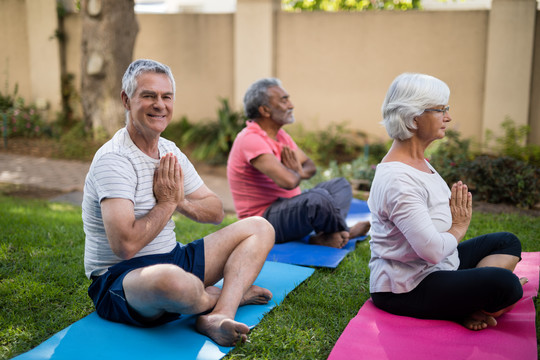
(335, 240)
(221, 329)
(256, 295)
(479, 321)
(359, 229)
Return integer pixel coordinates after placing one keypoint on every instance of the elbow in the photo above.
(123, 250)
(219, 217)
(289, 184)
(433, 258)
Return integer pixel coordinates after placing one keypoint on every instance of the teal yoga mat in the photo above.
(93, 338)
(301, 253)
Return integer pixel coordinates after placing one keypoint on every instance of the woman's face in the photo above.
(432, 123)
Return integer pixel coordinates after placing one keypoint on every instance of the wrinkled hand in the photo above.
(291, 161)
(461, 207)
(168, 182)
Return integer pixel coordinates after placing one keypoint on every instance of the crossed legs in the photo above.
(322, 209)
(235, 253)
(481, 319)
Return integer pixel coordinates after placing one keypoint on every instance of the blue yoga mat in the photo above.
(93, 338)
(302, 253)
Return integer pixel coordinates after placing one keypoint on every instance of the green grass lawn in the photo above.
(43, 286)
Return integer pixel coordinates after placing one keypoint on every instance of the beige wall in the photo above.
(29, 55)
(534, 120)
(197, 47)
(14, 57)
(336, 66)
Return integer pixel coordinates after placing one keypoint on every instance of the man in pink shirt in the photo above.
(265, 168)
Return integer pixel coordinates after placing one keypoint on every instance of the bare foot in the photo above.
(256, 295)
(479, 321)
(221, 329)
(359, 229)
(335, 240)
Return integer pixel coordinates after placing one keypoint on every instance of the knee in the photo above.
(261, 228)
(510, 244)
(340, 185)
(318, 198)
(169, 279)
(508, 287)
(343, 183)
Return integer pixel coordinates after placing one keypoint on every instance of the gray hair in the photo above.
(257, 95)
(408, 96)
(139, 67)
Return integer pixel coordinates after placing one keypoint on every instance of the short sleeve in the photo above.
(114, 177)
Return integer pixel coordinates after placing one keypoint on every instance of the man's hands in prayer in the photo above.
(168, 181)
(291, 161)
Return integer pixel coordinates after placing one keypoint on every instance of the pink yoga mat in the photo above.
(375, 334)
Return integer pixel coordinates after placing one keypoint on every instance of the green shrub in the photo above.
(350, 5)
(504, 180)
(357, 170)
(514, 143)
(175, 130)
(18, 119)
(335, 143)
(212, 141)
(450, 155)
(77, 143)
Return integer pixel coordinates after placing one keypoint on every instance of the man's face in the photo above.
(281, 107)
(151, 106)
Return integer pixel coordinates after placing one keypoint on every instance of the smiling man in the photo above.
(265, 168)
(141, 275)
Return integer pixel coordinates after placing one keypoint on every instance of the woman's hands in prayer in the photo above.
(461, 209)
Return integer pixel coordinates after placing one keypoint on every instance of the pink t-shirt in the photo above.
(253, 191)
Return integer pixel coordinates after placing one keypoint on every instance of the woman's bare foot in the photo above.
(335, 240)
(221, 329)
(359, 229)
(479, 321)
(256, 295)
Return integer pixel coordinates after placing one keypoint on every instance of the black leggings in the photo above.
(453, 295)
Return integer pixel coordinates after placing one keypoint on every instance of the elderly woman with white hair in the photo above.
(420, 267)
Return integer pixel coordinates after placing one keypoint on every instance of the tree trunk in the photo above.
(109, 30)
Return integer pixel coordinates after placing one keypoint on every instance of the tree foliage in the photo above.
(350, 5)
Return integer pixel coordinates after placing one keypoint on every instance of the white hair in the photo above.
(408, 96)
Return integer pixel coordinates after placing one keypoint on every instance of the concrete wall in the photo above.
(14, 51)
(339, 66)
(336, 66)
(197, 47)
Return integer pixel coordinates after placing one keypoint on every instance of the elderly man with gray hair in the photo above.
(140, 274)
(265, 168)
